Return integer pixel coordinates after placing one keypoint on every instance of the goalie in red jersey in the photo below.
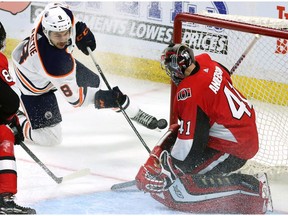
(192, 167)
(10, 133)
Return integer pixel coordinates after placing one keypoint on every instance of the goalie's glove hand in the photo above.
(148, 178)
(109, 98)
(148, 182)
(14, 124)
(158, 173)
(84, 38)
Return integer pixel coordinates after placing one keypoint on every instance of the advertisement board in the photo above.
(137, 29)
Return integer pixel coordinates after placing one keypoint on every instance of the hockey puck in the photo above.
(162, 123)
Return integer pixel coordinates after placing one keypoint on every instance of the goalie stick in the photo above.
(127, 184)
(252, 43)
(124, 185)
(58, 180)
(119, 105)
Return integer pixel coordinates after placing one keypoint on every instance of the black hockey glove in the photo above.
(109, 98)
(14, 124)
(84, 38)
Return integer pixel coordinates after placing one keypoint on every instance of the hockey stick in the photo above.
(123, 185)
(252, 43)
(119, 105)
(58, 180)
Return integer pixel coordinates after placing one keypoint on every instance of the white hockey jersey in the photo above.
(41, 67)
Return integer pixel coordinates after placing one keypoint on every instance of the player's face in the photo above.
(60, 39)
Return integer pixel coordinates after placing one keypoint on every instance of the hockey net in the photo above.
(261, 74)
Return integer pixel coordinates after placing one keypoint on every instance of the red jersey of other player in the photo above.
(5, 75)
(10, 133)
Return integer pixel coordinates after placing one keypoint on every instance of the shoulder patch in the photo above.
(184, 93)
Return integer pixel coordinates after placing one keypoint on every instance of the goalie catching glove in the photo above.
(110, 99)
(158, 173)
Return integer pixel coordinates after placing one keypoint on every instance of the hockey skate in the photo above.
(8, 206)
(149, 121)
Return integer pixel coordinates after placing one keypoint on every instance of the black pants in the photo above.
(211, 162)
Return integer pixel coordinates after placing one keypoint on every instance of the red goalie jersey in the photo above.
(231, 117)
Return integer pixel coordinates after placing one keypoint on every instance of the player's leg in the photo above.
(212, 162)
(8, 175)
(233, 194)
(211, 183)
(47, 136)
(206, 183)
(41, 122)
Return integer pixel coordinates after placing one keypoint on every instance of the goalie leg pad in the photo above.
(216, 196)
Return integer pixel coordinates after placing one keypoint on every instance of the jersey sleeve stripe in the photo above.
(29, 86)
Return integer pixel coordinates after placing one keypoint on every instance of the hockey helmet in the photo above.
(2, 37)
(55, 19)
(175, 59)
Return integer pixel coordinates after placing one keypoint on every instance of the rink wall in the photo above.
(131, 35)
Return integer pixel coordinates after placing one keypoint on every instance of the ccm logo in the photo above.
(183, 94)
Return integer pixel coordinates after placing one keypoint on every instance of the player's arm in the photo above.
(9, 101)
(83, 95)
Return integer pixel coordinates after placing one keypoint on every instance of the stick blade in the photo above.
(76, 174)
(129, 186)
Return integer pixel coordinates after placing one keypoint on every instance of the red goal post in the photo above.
(261, 74)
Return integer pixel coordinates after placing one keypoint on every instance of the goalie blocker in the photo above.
(232, 193)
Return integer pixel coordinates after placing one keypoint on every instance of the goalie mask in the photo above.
(55, 19)
(175, 59)
(2, 37)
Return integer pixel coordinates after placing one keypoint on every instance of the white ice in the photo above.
(104, 142)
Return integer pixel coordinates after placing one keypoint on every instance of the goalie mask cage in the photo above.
(257, 50)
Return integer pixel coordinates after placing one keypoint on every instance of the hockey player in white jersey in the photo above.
(44, 63)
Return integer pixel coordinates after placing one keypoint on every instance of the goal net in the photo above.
(255, 49)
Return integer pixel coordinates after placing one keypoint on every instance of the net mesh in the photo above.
(262, 76)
